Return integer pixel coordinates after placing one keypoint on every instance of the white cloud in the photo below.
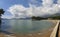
(47, 8)
(7, 17)
(20, 11)
(58, 2)
(16, 8)
(47, 2)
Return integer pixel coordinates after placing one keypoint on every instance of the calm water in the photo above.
(25, 26)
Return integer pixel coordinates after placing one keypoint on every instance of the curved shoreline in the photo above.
(38, 34)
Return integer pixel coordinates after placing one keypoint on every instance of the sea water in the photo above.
(25, 26)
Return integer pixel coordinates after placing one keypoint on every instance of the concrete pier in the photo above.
(54, 32)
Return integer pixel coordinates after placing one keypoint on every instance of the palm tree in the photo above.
(1, 12)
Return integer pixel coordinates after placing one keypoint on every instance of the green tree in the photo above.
(1, 12)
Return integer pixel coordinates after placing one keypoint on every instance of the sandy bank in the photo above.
(29, 35)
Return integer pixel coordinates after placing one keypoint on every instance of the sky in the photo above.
(29, 8)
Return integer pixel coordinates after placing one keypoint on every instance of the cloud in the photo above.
(6, 17)
(58, 2)
(47, 8)
(43, 10)
(47, 2)
(35, 2)
(20, 11)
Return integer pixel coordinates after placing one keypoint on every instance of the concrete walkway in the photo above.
(53, 34)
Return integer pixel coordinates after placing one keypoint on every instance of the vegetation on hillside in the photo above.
(55, 17)
(37, 18)
(41, 18)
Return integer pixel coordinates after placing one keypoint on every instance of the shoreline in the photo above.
(46, 34)
(38, 34)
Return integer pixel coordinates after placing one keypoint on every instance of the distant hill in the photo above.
(55, 16)
(48, 15)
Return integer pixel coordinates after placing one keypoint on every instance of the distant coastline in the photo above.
(46, 18)
(36, 18)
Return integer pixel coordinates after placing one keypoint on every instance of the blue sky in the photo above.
(5, 4)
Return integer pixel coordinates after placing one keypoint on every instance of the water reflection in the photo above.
(25, 26)
(2, 30)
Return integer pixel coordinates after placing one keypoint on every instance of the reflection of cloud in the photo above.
(48, 7)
